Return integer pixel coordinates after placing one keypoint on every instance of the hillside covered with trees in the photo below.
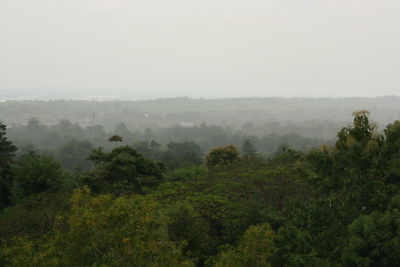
(104, 201)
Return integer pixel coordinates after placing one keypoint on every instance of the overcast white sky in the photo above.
(199, 48)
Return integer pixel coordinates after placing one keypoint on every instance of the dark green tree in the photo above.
(390, 156)
(7, 154)
(356, 156)
(375, 238)
(182, 154)
(248, 148)
(38, 173)
(123, 170)
(115, 139)
(154, 145)
(254, 249)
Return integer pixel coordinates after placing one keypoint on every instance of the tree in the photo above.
(254, 249)
(295, 247)
(73, 155)
(248, 148)
(353, 167)
(116, 139)
(144, 148)
(149, 149)
(7, 155)
(67, 128)
(34, 126)
(390, 157)
(356, 156)
(38, 173)
(123, 170)
(122, 130)
(33, 216)
(187, 225)
(37, 131)
(182, 154)
(282, 148)
(96, 135)
(375, 238)
(154, 145)
(222, 155)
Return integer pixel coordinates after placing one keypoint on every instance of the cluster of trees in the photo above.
(337, 205)
(176, 146)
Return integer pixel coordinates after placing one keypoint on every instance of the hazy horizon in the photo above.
(104, 98)
(53, 49)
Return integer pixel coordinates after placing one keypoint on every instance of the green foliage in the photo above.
(33, 216)
(179, 155)
(354, 168)
(121, 171)
(222, 155)
(149, 149)
(228, 199)
(185, 174)
(254, 249)
(115, 138)
(38, 173)
(189, 227)
(390, 157)
(7, 154)
(295, 247)
(261, 183)
(338, 205)
(102, 231)
(375, 238)
(73, 155)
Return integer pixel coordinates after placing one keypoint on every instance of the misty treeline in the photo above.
(335, 205)
(176, 146)
(317, 118)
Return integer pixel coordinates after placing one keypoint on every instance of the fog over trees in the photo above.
(144, 204)
(309, 117)
(187, 133)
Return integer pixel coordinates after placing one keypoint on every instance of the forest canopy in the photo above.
(174, 204)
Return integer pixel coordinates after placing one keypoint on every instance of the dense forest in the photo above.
(81, 196)
(177, 146)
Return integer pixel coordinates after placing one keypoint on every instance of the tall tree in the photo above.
(7, 154)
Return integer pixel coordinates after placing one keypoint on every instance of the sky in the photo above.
(144, 49)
